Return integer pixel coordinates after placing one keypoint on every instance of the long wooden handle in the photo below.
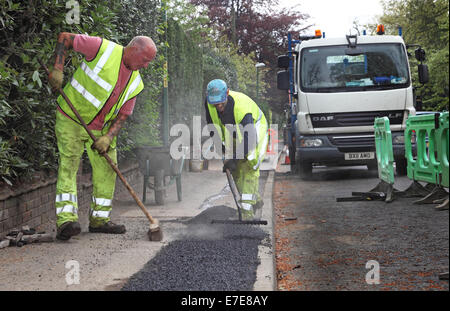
(105, 155)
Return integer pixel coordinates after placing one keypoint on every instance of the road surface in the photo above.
(322, 244)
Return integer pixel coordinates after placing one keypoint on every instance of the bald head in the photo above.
(141, 41)
(139, 52)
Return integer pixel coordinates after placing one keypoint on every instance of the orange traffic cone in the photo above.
(287, 160)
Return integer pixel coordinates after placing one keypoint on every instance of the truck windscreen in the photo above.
(329, 69)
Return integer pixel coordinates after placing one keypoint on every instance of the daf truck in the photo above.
(337, 87)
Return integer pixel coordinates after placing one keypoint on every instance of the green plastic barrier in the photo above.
(383, 144)
(425, 165)
(442, 148)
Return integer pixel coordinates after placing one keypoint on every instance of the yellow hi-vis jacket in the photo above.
(94, 81)
(242, 106)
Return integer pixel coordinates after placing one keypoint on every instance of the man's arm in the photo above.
(64, 43)
(102, 143)
(117, 125)
(248, 142)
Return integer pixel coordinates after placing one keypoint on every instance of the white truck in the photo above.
(337, 87)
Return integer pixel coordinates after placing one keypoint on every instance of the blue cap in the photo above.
(216, 91)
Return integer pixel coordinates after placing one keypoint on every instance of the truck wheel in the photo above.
(401, 166)
(304, 169)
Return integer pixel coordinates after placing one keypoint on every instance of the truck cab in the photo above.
(337, 87)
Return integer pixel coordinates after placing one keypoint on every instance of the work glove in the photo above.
(102, 144)
(56, 78)
(230, 164)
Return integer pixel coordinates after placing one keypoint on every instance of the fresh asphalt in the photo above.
(212, 257)
(208, 257)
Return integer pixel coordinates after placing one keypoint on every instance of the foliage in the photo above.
(185, 75)
(192, 19)
(424, 22)
(142, 127)
(28, 33)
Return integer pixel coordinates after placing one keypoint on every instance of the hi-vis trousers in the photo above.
(72, 140)
(247, 182)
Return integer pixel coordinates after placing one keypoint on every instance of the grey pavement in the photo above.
(106, 262)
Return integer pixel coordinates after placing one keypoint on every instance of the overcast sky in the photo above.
(335, 17)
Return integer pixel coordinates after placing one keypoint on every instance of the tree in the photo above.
(253, 26)
(424, 22)
(193, 19)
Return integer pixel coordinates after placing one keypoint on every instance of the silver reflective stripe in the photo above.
(91, 74)
(247, 197)
(101, 214)
(262, 151)
(246, 206)
(260, 115)
(101, 201)
(67, 209)
(102, 61)
(133, 87)
(88, 96)
(252, 154)
(66, 197)
(258, 124)
(257, 165)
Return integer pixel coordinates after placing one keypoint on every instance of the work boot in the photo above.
(68, 230)
(108, 227)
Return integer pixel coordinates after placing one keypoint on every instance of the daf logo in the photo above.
(323, 118)
(395, 115)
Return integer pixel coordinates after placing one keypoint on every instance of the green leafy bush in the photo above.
(27, 106)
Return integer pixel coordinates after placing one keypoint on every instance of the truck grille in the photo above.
(365, 118)
(351, 143)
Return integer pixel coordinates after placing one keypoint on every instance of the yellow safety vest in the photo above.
(242, 106)
(93, 82)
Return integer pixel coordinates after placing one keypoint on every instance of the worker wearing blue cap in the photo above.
(228, 111)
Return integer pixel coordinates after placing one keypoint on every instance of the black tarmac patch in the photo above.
(206, 257)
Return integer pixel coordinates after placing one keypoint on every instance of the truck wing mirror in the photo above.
(353, 49)
(423, 73)
(283, 61)
(419, 54)
(283, 80)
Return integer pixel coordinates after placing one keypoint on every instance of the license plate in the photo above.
(360, 155)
